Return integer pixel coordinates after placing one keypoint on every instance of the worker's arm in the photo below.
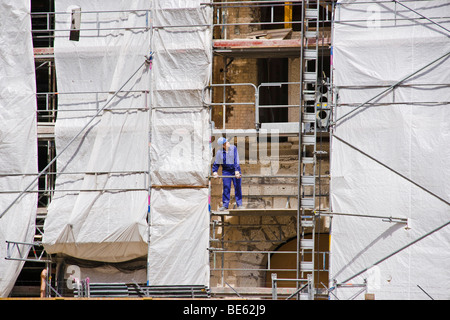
(237, 167)
(216, 163)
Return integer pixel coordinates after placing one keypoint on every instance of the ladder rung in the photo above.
(310, 76)
(309, 54)
(309, 97)
(308, 180)
(311, 13)
(309, 117)
(310, 34)
(307, 203)
(308, 139)
(307, 244)
(307, 223)
(307, 160)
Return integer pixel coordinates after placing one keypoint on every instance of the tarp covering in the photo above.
(99, 209)
(112, 153)
(179, 149)
(180, 161)
(391, 157)
(18, 136)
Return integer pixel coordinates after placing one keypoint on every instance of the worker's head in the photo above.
(223, 142)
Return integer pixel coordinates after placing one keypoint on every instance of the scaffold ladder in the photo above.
(307, 139)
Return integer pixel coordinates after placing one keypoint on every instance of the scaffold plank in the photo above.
(257, 212)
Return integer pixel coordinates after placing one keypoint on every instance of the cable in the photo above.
(390, 88)
(387, 167)
(397, 251)
(437, 24)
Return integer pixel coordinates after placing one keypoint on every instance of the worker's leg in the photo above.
(226, 191)
(237, 191)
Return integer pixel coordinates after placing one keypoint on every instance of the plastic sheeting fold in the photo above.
(407, 130)
(18, 137)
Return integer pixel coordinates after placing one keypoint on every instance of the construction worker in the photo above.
(228, 157)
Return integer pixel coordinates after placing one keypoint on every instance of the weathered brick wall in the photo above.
(243, 71)
(255, 233)
(238, 71)
(294, 90)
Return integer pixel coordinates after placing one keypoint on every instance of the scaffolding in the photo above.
(305, 213)
(428, 25)
(44, 34)
(313, 105)
(294, 30)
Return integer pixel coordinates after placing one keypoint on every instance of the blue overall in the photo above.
(230, 164)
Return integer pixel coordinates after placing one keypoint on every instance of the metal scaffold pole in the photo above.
(150, 111)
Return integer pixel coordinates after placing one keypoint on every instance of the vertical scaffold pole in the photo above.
(150, 112)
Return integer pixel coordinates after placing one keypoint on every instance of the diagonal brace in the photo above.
(387, 167)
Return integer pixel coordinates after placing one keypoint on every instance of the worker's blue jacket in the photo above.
(228, 159)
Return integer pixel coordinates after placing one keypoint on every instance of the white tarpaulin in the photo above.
(18, 136)
(99, 209)
(179, 144)
(179, 238)
(391, 156)
(180, 147)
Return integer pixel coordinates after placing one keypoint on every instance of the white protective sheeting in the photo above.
(179, 149)
(179, 144)
(179, 238)
(18, 136)
(99, 209)
(408, 132)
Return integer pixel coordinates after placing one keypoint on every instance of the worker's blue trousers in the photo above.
(227, 189)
